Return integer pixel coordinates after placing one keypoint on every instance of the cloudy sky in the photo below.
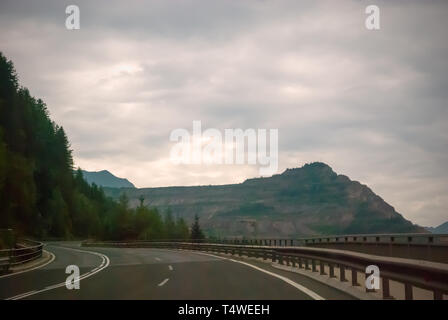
(371, 104)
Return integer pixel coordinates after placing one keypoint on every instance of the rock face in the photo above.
(106, 179)
(310, 200)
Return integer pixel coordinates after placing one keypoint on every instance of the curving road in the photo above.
(113, 273)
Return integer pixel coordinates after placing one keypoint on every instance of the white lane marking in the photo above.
(43, 265)
(104, 264)
(170, 267)
(23, 294)
(305, 290)
(158, 259)
(163, 282)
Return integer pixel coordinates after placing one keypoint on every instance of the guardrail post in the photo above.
(300, 262)
(280, 259)
(274, 258)
(438, 295)
(264, 255)
(287, 260)
(408, 291)
(313, 263)
(322, 268)
(307, 267)
(293, 261)
(342, 273)
(354, 278)
(10, 257)
(331, 267)
(386, 289)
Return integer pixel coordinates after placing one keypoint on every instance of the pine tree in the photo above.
(170, 225)
(196, 233)
(40, 193)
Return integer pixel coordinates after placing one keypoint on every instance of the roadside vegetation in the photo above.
(41, 195)
(7, 239)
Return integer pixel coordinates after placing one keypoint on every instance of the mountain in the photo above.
(310, 200)
(106, 179)
(443, 228)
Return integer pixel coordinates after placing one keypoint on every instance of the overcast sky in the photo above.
(371, 104)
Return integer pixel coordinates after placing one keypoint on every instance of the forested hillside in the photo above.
(42, 196)
(310, 200)
(40, 193)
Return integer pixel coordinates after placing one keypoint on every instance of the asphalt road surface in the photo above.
(131, 273)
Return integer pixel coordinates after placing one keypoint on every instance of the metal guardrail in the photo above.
(24, 251)
(430, 247)
(391, 238)
(426, 275)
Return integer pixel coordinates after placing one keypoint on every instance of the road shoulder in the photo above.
(329, 291)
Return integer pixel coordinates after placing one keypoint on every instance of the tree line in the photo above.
(41, 195)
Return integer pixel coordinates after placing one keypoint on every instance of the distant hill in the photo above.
(310, 200)
(106, 179)
(443, 228)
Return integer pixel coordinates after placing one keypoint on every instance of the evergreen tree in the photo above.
(170, 225)
(40, 193)
(181, 229)
(196, 233)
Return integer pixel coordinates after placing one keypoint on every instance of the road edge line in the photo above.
(161, 284)
(305, 290)
(104, 264)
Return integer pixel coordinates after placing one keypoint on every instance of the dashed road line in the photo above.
(305, 290)
(163, 282)
(170, 267)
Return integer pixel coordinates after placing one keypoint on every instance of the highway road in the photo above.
(138, 273)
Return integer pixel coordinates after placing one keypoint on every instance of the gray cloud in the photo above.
(373, 105)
